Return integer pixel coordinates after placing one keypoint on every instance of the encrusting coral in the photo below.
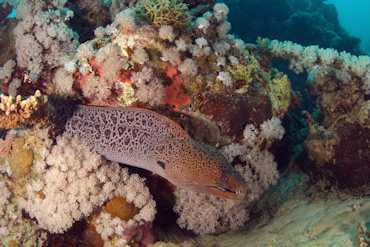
(20, 159)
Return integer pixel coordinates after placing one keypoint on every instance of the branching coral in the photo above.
(164, 12)
(15, 112)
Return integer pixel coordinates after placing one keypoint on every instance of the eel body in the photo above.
(145, 139)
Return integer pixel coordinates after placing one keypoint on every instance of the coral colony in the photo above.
(158, 55)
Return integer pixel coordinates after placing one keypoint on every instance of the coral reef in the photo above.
(299, 21)
(340, 82)
(223, 92)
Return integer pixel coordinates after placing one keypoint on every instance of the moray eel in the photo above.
(148, 140)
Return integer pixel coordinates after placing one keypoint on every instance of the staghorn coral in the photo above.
(15, 112)
(164, 12)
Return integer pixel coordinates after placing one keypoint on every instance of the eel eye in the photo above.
(225, 179)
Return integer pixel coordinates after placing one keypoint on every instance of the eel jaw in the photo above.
(238, 193)
(227, 193)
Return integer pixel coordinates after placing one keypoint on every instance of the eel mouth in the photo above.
(230, 191)
(226, 193)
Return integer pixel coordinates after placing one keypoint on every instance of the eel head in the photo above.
(196, 166)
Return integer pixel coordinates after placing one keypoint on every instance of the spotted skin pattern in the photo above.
(148, 140)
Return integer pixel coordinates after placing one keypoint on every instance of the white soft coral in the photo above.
(272, 129)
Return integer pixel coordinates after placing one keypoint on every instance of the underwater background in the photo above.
(273, 93)
(351, 18)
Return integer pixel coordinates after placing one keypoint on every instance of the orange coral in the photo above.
(175, 97)
(95, 65)
(125, 77)
(119, 207)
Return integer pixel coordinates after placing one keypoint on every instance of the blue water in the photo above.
(355, 18)
(12, 15)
